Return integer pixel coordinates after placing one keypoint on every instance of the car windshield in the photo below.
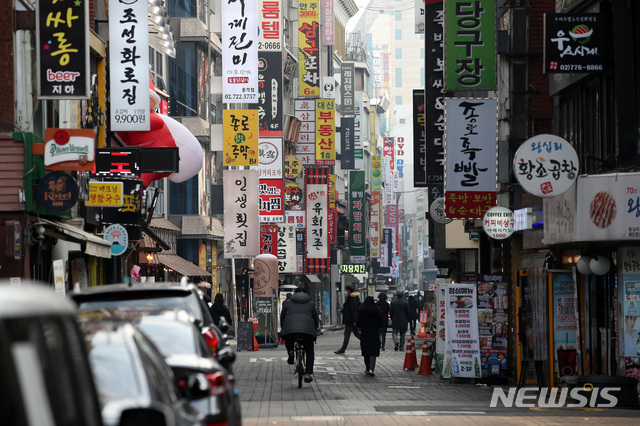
(161, 300)
(171, 338)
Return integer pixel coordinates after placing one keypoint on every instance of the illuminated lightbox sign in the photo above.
(353, 269)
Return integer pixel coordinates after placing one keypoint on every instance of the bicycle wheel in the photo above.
(300, 365)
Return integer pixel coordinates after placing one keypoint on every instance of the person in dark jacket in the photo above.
(300, 316)
(349, 316)
(383, 305)
(218, 310)
(414, 314)
(369, 322)
(399, 312)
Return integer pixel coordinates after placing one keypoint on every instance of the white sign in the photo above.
(462, 324)
(437, 212)
(129, 65)
(498, 222)
(420, 17)
(560, 218)
(118, 236)
(78, 147)
(609, 207)
(58, 275)
(522, 219)
(287, 259)
(270, 32)
(239, 51)
(546, 165)
(328, 87)
(270, 158)
(241, 214)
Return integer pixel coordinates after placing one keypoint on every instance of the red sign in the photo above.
(292, 194)
(333, 227)
(269, 239)
(271, 200)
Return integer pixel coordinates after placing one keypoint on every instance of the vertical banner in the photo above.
(347, 74)
(271, 192)
(270, 33)
(434, 93)
(241, 224)
(357, 217)
(493, 324)
(270, 152)
(308, 48)
(62, 53)
(325, 132)
(419, 15)
(375, 225)
(471, 147)
(269, 239)
(317, 211)
(386, 254)
(470, 56)
(358, 125)
(389, 151)
(347, 143)
(287, 258)
(441, 309)
(419, 140)
(327, 22)
(305, 111)
(333, 227)
(462, 323)
(565, 325)
(240, 136)
(239, 51)
(128, 66)
(270, 100)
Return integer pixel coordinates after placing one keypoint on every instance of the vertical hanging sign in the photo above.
(347, 143)
(375, 226)
(357, 217)
(327, 22)
(287, 258)
(270, 100)
(62, 40)
(419, 140)
(239, 51)
(241, 212)
(129, 66)
(270, 33)
(317, 212)
(269, 239)
(347, 71)
(325, 132)
(240, 135)
(305, 111)
(308, 48)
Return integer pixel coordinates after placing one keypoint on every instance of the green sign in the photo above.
(357, 217)
(470, 50)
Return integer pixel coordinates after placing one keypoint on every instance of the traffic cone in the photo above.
(422, 334)
(255, 343)
(409, 359)
(425, 362)
(413, 349)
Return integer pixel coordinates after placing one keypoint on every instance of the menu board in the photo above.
(493, 327)
(462, 330)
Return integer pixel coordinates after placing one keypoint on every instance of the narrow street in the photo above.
(342, 394)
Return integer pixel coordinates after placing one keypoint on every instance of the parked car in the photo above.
(130, 372)
(186, 353)
(160, 296)
(45, 377)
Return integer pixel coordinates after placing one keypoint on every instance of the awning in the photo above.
(313, 278)
(181, 265)
(94, 245)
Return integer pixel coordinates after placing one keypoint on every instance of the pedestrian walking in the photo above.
(399, 312)
(414, 314)
(369, 322)
(349, 316)
(219, 310)
(383, 305)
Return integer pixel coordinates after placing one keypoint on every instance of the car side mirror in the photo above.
(226, 357)
(198, 387)
(223, 325)
(142, 417)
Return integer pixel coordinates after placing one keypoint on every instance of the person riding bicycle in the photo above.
(299, 316)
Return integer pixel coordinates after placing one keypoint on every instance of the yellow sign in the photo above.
(292, 167)
(376, 172)
(332, 192)
(105, 194)
(308, 48)
(325, 132)
(240, 136)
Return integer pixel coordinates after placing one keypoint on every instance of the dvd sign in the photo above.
(574, 43)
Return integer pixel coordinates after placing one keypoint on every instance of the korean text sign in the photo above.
(317, 210)
(241, 223)
(357, 217)
(325, 132)
(470, 50)
(308, 48)
(471, 147)
(62, 40)
(240, 136)
(434, 94)
(462, 322)
(270, 34)
(129, 66)
(240, 51)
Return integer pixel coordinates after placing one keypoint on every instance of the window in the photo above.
(398, 77)
(422, 53)
(398, 100)
(398, 34)
(398, 53)
(183, 197)
(421, 77)
(398, 15)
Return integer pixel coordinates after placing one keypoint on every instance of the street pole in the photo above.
(235, 305)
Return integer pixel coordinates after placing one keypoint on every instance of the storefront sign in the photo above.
(69, 149)
(270, 33)
(62, 41)
(309, 48)
(546, 165)
(347, 143)
(295, 218)
(272, 202)
(419, 139)
(357, 217)
(471, 146)
(493, 325)
(564, 325)
(375, 225)
(57, 192)
(609, 207)
(270, 99)
(239, 51)
(359, 129)
(268, 239)
(317, 208)
(287, 258)
(575, 43)
(434, 92)
(305, 111)
(240, 135)
(105, 194)
(347, 91)
(292, 167)
(292, 194)
(498, 223)
(325, 132)
(129, 213)
(241, 212)
(437, 212)
(328, 17)
(118, 236)
(462, 323)
(270, 158)
(560, 217)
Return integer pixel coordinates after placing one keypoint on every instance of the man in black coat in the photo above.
(300, 316)
(399, 312)
(349, 316)
(383, 305)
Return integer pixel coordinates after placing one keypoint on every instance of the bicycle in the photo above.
(300, 360)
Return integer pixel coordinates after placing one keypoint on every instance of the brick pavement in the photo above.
(342, 394)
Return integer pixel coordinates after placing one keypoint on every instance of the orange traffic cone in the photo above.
(413, 349)
(409, 359)
(422, 334)
(255, 343)
(425, 362)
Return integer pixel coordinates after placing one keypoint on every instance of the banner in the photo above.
(471, 148)
(241, 214)
(317, 210)
(239, 51)
(470, 56)
(462, 323)
(441, 323)
(419, 140)
(357, 217)
(328, 17)
(270, 100)
(325, 132)
(308, 48)
(359, 128)
(347, 143)
(268, 239)
(240, 137)
(375, 226)
(62, 53)
(271, 193)
(347, 71)
(287, 258)
(434, 94)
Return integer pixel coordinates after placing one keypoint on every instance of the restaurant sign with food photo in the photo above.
(608, 207)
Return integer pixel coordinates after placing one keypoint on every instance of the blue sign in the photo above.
(57, 192)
